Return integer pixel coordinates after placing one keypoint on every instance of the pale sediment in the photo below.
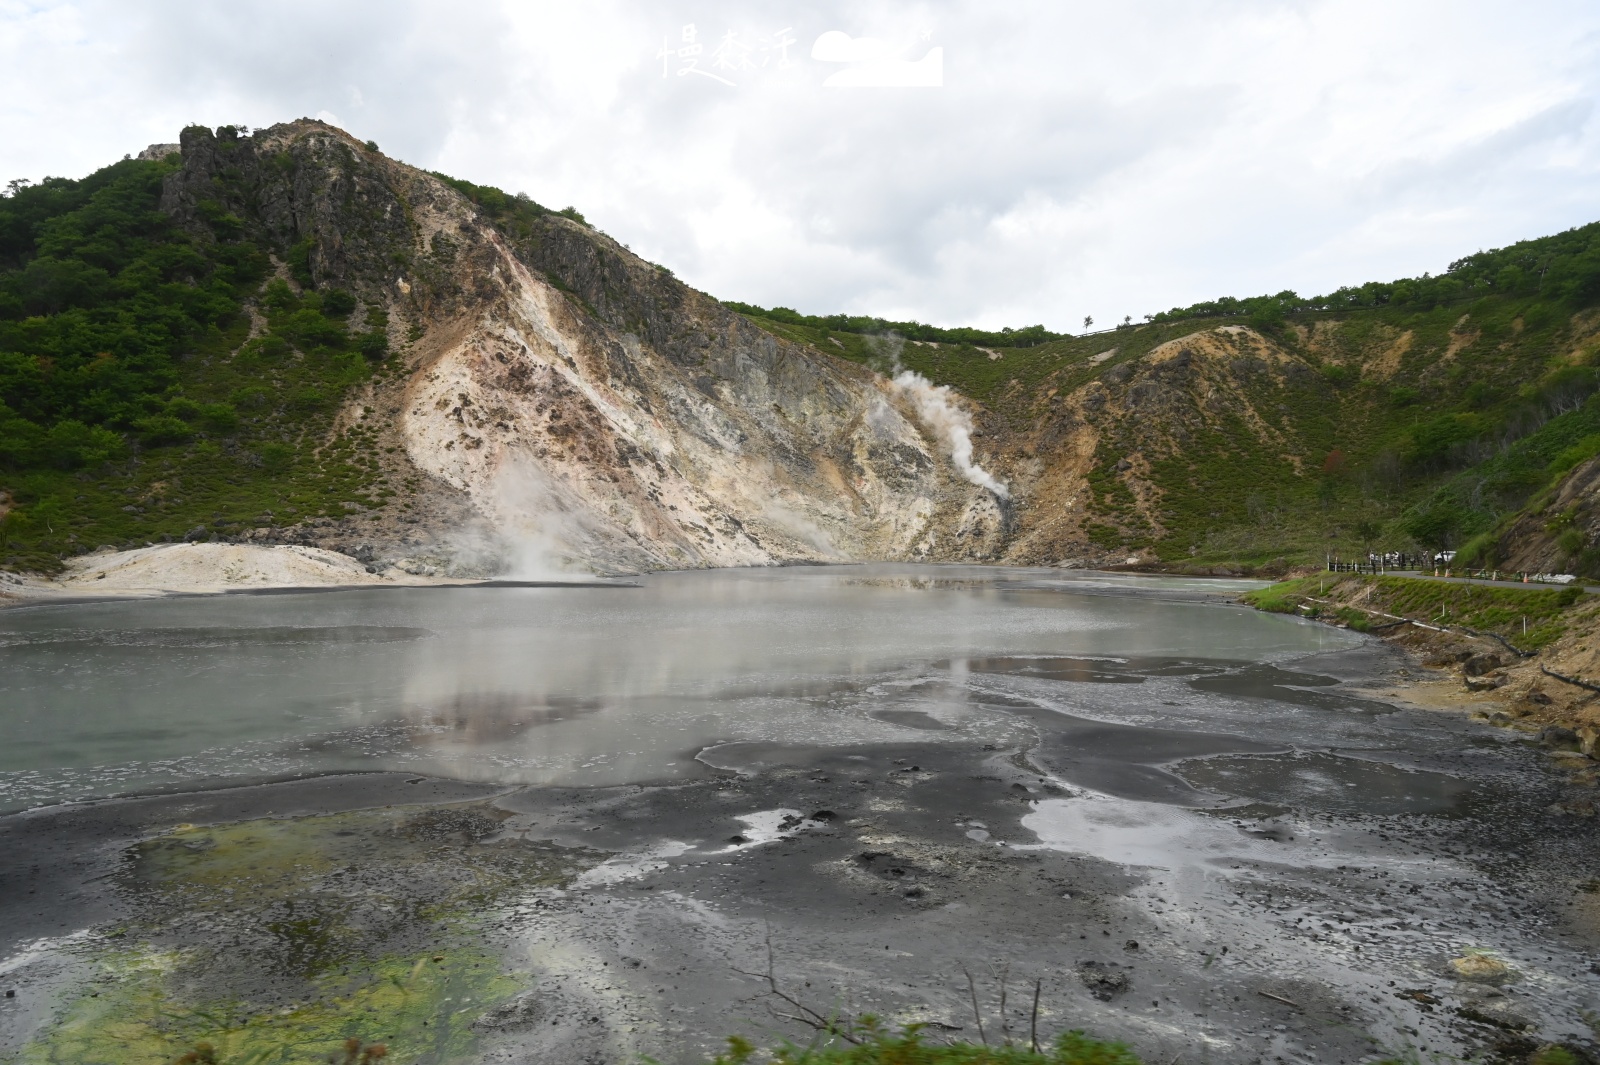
(166, 569)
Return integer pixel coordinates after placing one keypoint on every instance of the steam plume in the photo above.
(950, 423)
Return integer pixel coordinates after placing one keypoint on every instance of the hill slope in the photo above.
(422, 372)
(1415, 414)
(290, 338)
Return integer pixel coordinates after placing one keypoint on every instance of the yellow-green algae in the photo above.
(421, 1008)
(275, 940)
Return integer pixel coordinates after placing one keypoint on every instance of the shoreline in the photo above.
(1539, 692)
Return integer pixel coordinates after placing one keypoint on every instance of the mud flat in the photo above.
(1211, 857)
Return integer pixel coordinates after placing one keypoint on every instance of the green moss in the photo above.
(360, 925)
(420, 1007)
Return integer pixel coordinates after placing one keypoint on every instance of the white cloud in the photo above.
(1079, 159)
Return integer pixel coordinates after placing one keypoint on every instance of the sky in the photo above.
(986, 163)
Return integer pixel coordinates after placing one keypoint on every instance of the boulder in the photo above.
(1558, 736)
(1480, 967)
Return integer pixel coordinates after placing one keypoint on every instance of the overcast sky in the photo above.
(1102, 159)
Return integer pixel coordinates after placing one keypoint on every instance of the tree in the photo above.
(1088, 320)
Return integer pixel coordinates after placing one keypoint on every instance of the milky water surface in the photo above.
(578, 685)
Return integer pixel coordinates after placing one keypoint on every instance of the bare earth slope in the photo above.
(566, 404)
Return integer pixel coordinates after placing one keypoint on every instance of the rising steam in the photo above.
(934, 406)
(951, 424)
(537, 532)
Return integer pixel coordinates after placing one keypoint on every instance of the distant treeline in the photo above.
(1026, 337)
(1564, 267)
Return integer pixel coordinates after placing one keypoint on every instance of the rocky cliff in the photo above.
(559, 402)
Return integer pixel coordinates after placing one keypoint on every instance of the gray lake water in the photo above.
(579, 685)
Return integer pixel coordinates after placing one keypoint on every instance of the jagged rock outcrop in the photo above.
(1550, 538)
(565, 402)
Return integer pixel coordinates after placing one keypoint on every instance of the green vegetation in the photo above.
(1284, 597)
(136, 401)
(1421, 414)
(328, 910)
(1026, 337)
(512, 212)
(137, 1015)
(1564, 268)
(1546, 612)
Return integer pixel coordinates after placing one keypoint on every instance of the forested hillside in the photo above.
(189, 364)
(158, 381)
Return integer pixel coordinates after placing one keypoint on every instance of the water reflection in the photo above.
(582, 685)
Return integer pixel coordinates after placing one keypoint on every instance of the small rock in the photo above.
(1103, 979)
(1589, 741)
(1483, 684)
(1558, 736)
(1572, 808)
(1480, 967)
(1479, 665)
(199, 532)
(1132, 944)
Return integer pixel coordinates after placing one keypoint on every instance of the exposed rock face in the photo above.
(1199, 394)
(570, 404)
(1548, 541)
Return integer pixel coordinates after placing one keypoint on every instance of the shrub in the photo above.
(337, 303)
(276, 457)
(163, 429)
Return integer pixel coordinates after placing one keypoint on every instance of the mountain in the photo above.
(287, 337)
(1450, 412)
(332, 348)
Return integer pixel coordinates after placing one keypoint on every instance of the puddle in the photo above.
(1322, 781)
(1144, 834)
(1285, 686)
(916, 719)
(1127, 761)
(1098, 670)
(625, 867)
